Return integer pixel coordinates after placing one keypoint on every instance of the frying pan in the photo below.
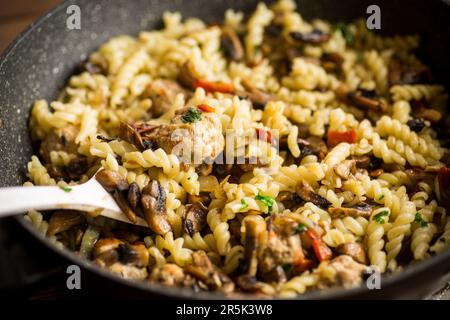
(39, 62)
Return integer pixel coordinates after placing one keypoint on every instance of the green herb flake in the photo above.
(381, 197)
(300, 228)
(287, 267)
(419, 219)
(266, 200)
(66, 189)
(379, 217)
(345, 31)
(244, 205)
(192, 115)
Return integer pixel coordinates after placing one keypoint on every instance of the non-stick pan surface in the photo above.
(39, 62)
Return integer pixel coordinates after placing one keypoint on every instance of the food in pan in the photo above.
(268, 154)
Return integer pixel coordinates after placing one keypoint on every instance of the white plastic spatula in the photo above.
(89, 196)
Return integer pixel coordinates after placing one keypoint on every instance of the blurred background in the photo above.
(16, 15)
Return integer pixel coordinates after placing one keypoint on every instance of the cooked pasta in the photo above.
(269, 155)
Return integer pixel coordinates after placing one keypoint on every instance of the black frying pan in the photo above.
(40, 61)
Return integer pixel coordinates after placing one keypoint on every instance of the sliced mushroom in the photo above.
(132, 133)
(111, 180)
(316, 36)
(290, 200)
(344, 168)
(400, 74)
(251, 284)
(332, 62)
(361, 162)
(64, 220)
(254, 232)
(204, 169)
(92, 68)
(124, 205)
(306, 192)
(187, 76)
(194, 218)
(203, 269)
(105, 251)
(365, 99)
(231, 44)
(429, 114)
(354, 250)
(153, 200)
(76, 167)
(359, 210)
(133, 254)
(203, 198)
(134, 196)
(257, 97)
(62, 139)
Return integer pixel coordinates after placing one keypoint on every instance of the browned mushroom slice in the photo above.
(251, 284)
(59, 140)
(203, 269)
(105, 251)
(257, 97)
(367, 99)
(124, 206)
(195, 218)
(359, 210)
(203, 198)
(344, 168)
(134, 196)
(76, 168)
(416, 124)
(254, 232)
(153, 200)
(429, 114)
(111, 180)
(204, 169)
(361, 162)
(231, 44)
(132, 133)
(401, 75)
(187, 76)
(306, 192)
(290, 200)
(133, 254)
(64, 220)
(316, 36)
(332, 62)
(354, 250)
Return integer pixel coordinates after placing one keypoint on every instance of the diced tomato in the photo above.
(320, 248)
(205, 108)
(302, 265)
(264, 135)
(336, 137)
(214, 86)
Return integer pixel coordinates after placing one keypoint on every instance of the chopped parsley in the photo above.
(266, 200)
(345, 31)
(419, 219)
(287, 267)
(300, 228)
(379, 217)
(192, 115)
(244, 205)
(381, 197)
(66, 189)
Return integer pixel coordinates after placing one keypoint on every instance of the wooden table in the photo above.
(16, 15)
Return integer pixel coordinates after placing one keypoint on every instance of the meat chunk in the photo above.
(171, 275)
(163, 92)
(347, 272)
(354, 250)
(283, 247)
(190, 130)
(231, 44)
